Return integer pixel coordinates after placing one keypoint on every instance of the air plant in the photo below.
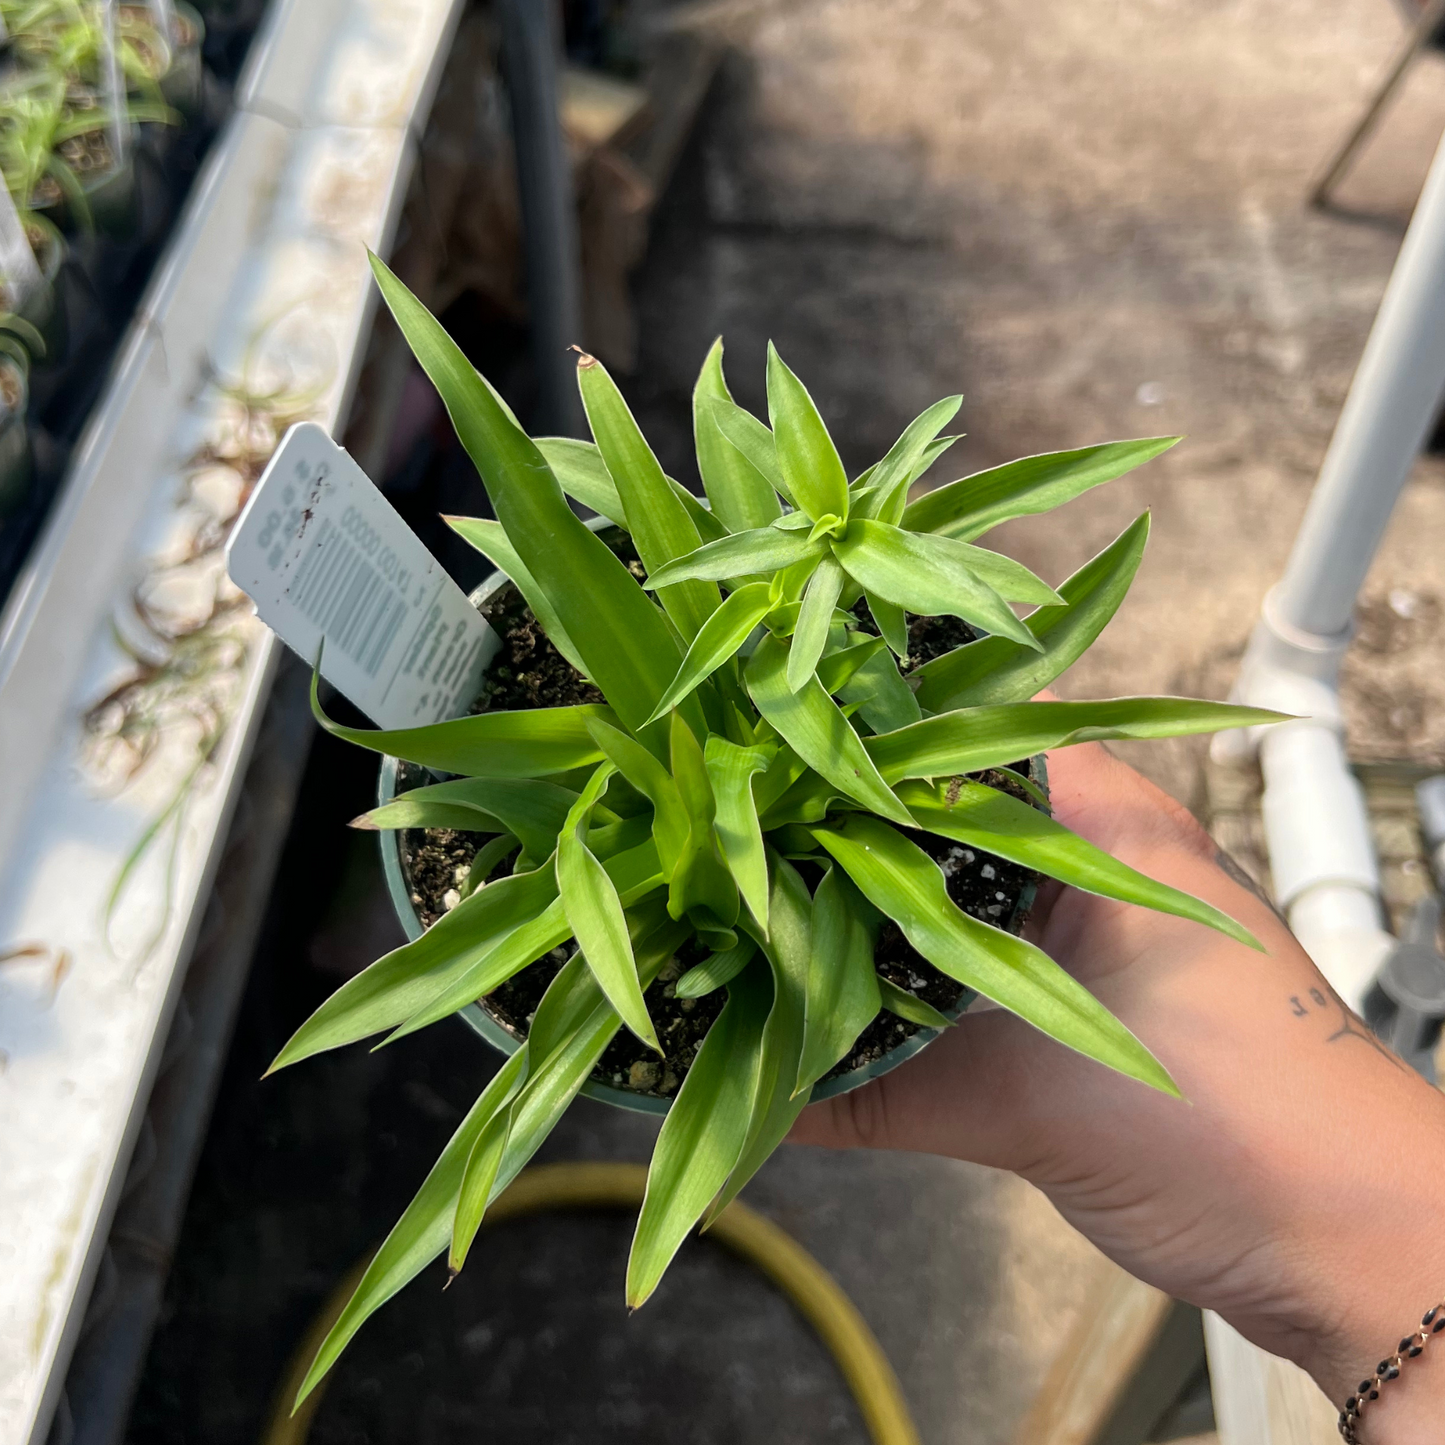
(753, 736)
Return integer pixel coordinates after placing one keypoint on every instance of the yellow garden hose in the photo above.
(746, 1232)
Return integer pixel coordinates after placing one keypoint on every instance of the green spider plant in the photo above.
(750, 726)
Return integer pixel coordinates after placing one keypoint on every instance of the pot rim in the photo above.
(507, 1043)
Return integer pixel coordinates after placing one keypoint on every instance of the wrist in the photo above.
(1373, 1240)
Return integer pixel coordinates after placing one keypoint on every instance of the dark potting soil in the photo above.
(437, 864)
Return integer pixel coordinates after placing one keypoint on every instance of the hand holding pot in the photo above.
(1297, 1189)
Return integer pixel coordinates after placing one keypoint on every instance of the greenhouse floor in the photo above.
(1088, 216)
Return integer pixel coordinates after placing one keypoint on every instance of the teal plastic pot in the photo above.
(500, 1038)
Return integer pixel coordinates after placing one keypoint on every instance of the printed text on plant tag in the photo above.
(326, 559)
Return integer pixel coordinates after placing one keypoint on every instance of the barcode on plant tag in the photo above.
(348, 599)
(333, 569)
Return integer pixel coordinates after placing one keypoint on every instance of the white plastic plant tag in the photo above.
(18, 268)
(333, 569)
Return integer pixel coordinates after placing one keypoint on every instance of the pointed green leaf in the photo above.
(994, 669)
(594, 915)
(701, 880)
(889, 481)
(920, 573)
(775, 1105)
(633, 873)
(670, 822)
(909, 1006)
(490, 540)
(553, 1085)
(659, 523)
(807, 457)
(530, 809)
(422, 1231)
(477, 1181)
(740, 555)
(731, 769)
(969, 507)
(703, 1133)
(716, 970)
(982, 817)
(583, 475)
(884, 699)
(811, 724)
(810, 636)
(576, 1025)
(718, 639)
(902, 881)
(971, 738)
(842, 995)
(529, 743)
(892, 623)
(393, 988)
(627, 646)
(742, 430)
(838, 669)
(740, 494)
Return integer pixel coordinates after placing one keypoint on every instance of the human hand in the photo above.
(1298, 1189)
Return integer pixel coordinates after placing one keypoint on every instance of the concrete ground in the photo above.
(1087, 216)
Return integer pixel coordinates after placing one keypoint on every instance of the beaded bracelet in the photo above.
(1411, 1347)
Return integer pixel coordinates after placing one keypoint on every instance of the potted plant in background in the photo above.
(20, 344)
(716, 837)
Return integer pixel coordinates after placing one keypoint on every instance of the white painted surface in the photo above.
(267, 279)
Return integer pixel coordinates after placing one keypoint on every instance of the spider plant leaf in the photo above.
(423, 813)
(529, 743)
(670, 824)
(922, 574)
(892, 622)
(741, 495)
(842, 995)
(490, 539)
(703, 1134)
(883, 698)
(995, 669)
(982, 817)
(659, 523)
(527, 807)
(810, 722)
(909, 1006)
(748, 435)
(970, 738)
(889, 481)
(594, 915)
(422, 1231)
(740, 555)
(730, 769)
(478, 1178)
(717, 639)
(970, 506)
(775, 1105)
(716, 970)
(701, 886)
(553, 1084)
(393, 988)
(902, 881)
(807, 457)
(583, 475)
(838, 669)
(632, 874)
(630, 652)
(810, 636)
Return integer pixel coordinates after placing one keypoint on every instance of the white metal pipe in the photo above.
(1393, 401)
